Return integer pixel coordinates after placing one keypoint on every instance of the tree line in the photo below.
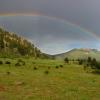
(89, 63)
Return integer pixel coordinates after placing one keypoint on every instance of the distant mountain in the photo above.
(14, 45)
(79, 53)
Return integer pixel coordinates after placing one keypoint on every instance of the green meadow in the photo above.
(47, 80)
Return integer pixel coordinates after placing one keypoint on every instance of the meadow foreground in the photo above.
(47, 80)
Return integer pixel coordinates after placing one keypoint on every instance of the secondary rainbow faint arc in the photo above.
(54, 18)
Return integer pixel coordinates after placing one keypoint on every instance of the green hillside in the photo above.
(80, 53)
(14, 45)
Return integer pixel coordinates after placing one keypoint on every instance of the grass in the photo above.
(68, 83)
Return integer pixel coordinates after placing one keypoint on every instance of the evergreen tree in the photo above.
(1, 41)
(66, 60)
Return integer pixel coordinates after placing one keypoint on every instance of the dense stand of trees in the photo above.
(89, 63)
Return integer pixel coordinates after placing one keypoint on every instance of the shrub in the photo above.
(57, 67)
(66, 60)
(61, 66)
(35, 68)
(17, 64)
(1, 62)
(7, 62)
(46, 72)
(8, 73)
(80, 62)
(20, 63)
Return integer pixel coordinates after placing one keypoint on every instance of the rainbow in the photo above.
(93, 34)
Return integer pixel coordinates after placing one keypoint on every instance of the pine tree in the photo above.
(66, 60)
(1, 41)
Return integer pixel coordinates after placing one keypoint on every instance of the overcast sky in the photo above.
(52, 29)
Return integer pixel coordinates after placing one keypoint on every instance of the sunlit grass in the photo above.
(68, 83)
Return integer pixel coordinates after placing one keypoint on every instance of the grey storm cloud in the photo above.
(49, 33)
(86, 13)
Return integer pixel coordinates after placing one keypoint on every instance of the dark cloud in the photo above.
(86, 13)
(50, 34)
(45, 31)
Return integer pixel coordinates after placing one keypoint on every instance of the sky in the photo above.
(55, 26)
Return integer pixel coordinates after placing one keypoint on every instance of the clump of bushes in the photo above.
(8, 62)
(90, 64)
(20, 63)
(1, 62)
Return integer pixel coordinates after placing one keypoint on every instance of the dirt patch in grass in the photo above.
(2, 88)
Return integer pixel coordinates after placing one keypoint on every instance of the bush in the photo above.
(46, 72)
(7, 62)
(17, 64)
(57, 67)
(35, 68)
(20, 63)
(80, 62)
(61, 66)
(1, 62)
(66, 60)
(8, 73)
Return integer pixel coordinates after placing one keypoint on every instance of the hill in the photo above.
(13, 45)
(79, 53)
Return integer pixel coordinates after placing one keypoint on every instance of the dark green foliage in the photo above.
(46, 72)
(89, 59)
(90, 63)
(80, 62)
(20, 62)
(87, 64)
(17, 64)
(73, 60)
(22, 50)
(57, 67)
(35, 68)
(61, 66)
(97, 65)
(1, 62)
(93, 62)
(13, 45)
(8, 73)
(1, 41)
(66, 60)
(8, 62)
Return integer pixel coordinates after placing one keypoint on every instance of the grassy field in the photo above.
(47, 82)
